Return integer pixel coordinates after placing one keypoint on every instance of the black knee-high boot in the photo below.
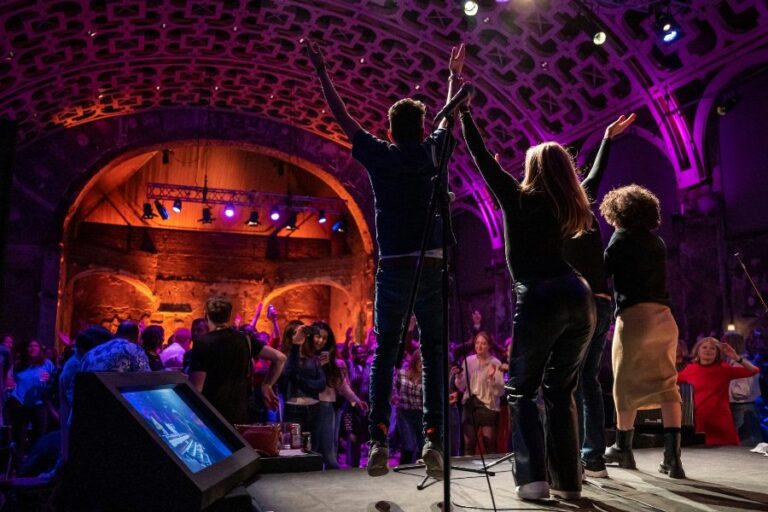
(621, 451)
(672, 465)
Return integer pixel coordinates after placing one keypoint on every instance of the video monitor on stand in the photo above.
(150, 441)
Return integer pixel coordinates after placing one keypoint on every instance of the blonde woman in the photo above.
(555, 314)
(710, 375)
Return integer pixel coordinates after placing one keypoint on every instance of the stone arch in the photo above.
(68, 298)
(51, 173)
(710, 94)
(355, 316)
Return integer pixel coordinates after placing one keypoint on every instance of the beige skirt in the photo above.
(643, 353)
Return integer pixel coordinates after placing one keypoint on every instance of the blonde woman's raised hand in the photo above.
(618, 126)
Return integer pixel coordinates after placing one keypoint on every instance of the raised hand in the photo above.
(65, 339)
(729, 351)
(618, 126)
(456, 63)
(299, 336)
(315, 55)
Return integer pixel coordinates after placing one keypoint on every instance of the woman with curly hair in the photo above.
(710, 376)
(645, 336)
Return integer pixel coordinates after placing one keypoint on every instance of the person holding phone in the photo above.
(326, 436)
(303, 378)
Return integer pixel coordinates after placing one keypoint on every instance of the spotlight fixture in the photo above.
(291, 225)
(321, 218)
(726, 105)
(599, 38)
(340, 226)
(207, 219)
(667, 28)
(274, 213)
(176, 205)
(470, 8)
(253, 219)
(229, 210)
(166, 156)
(731, 327)
(148, 213)
(161, 210)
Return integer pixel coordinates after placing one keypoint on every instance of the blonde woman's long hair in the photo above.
(550, 169)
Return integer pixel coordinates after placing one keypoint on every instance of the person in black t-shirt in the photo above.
(220, 364)
(401, 172)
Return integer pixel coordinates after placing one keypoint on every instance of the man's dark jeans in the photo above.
(589, 394)
(554, 321)
(393, 284)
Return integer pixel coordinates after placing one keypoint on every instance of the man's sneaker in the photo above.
(432, 454)
(595, 468)
(378, 459)
(534, 490)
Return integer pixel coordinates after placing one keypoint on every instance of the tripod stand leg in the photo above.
(499, 461)
(422, 485)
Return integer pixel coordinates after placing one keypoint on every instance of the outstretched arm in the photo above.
(348, 125)
(500, 182)
(592, 182)
(455, 67)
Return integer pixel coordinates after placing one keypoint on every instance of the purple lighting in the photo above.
(229, 211)
(274, 214)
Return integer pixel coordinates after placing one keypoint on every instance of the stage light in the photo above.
(599, 38)
(177, 205)
(229, 210)
(726, 105)
(321, 218)
(667, 28)
(253, 220)
(148, 213)
(274, 213)
(340, 226)
(291, 225)
(161, 210)
(207, 219)
(166, 156)
(731, 327)
(470, 8)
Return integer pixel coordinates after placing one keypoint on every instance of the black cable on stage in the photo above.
(469, 388)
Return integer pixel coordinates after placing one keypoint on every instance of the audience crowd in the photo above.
(306, 376)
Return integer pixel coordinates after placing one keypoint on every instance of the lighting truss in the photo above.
(247, 198)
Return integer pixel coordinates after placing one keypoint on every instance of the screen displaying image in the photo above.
(179, 427)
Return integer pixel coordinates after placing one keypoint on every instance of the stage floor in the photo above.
(719, 479)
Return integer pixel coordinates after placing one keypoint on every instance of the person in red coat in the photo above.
(710, 377)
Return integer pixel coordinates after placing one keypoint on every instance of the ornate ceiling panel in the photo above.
(538, 74)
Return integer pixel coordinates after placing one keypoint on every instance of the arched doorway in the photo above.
(179, 262)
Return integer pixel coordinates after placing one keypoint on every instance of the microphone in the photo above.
(466, 91)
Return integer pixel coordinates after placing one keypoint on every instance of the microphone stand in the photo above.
(439, 202)
(737, 254)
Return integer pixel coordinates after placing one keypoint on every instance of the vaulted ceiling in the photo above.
(539, 75)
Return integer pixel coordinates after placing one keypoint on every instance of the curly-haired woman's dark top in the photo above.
(637, 259)
(532, 234)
